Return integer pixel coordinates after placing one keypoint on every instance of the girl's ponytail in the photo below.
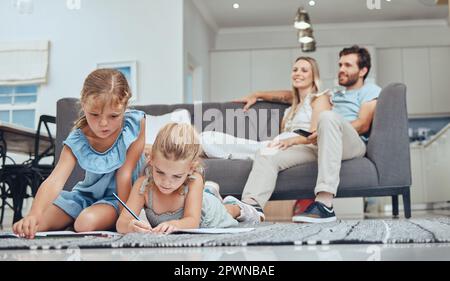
(81, 122)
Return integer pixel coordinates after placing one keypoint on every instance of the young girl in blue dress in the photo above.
(173, 193)
(107, 142)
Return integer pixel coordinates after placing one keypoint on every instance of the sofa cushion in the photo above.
(154, 123)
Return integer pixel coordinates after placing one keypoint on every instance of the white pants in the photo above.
(221, 145)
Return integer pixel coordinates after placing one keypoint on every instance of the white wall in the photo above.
(386, 41)
(198, 41)
(150, 32)
(236, 73)
(379, 35)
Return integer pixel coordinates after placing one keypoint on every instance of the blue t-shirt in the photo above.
(348, 103)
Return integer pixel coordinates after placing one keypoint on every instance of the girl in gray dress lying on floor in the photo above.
(173, 193)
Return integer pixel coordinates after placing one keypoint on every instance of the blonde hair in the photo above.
(177, 142)
(103, 85)
(296, 95)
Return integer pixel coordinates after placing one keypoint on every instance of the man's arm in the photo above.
(283, 96)
(365, 117)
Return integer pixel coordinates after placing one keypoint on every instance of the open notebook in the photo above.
(214, 230)
(66, 234)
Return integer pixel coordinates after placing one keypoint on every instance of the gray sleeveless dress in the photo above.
(213, 214)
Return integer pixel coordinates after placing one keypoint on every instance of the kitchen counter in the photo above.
(431, 139)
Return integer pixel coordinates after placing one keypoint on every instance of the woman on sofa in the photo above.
(307, 104)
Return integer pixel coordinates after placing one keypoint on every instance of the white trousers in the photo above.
(337, 140)
(221, 145)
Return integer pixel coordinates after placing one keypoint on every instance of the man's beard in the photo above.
(351, 80)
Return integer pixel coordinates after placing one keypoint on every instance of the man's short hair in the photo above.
(363, 56)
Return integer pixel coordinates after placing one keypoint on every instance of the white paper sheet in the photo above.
(50, 234)
(215, 230)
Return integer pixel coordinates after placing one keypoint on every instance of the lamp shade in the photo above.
(302, 19)
(308, 47)
(305, 36)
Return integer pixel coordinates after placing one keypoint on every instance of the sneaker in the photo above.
(301, 205)
(317, 212)
(249, 213)
(213, 188)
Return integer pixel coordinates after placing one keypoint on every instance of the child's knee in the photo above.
(86, 221)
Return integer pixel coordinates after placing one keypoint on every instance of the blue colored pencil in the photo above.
(126, 207)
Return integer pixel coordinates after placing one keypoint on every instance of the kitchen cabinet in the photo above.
(390, 66)
(440, 79)
(417, 175)
(425, 73)
(416, 76)
(270, 69)
(436, 163)
(235, 74)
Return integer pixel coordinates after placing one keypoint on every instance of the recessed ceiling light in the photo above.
(312, 3)
(236, 5)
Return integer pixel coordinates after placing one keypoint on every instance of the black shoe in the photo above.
(317, 212)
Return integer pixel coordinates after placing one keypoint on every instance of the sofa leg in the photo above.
(407, 203)
(395, 206)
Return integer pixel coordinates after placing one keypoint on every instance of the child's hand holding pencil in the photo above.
(139, 226)
(135, 225)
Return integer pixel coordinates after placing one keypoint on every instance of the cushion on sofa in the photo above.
(153, 123)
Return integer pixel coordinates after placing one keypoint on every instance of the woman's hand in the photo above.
(27, 227)
(282, 144)
(312, 138)
(164, 228)
(139, 226)
(248, 100)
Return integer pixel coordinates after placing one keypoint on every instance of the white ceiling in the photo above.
(256, 13)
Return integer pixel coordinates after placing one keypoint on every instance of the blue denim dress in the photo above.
(100, 167)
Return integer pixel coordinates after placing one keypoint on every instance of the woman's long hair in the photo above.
(295, 93)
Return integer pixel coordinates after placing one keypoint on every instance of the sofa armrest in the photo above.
(388, 145)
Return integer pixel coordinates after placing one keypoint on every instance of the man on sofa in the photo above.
(339, 136)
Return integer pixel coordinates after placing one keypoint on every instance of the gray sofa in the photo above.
(384, 171)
